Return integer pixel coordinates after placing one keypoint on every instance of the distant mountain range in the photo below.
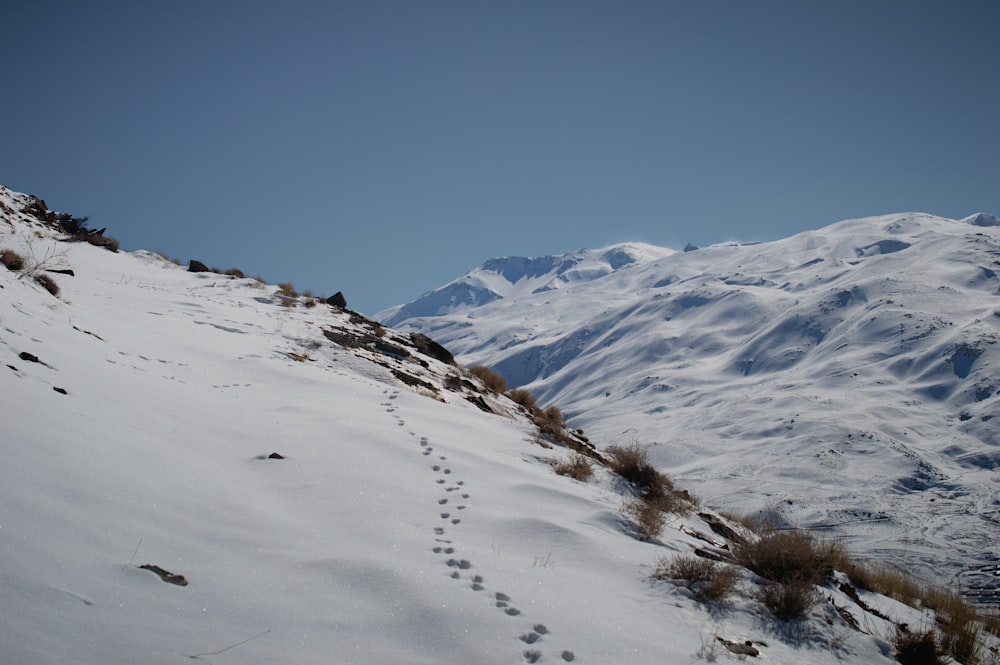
(846, 379)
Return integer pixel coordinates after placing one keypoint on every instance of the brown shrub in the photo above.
(649, 518)
(791, 557)
(789, 600)
(524, 398)
(235, 272)
(12, 260)
(632, 463)
(287, 289)
(578, 467)
(309, 303)
(916, 648)
(706, 579)
(492, 381)
(47, 283)
(549, 421)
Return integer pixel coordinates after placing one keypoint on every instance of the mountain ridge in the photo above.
(787, 352)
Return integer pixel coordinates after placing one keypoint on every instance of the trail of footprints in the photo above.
(450, 510)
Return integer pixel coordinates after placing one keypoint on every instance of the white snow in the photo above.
(399, 528)
(845, 376)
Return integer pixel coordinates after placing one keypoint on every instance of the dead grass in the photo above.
(918, 648)
(12, 260)
(706, 579)
(789, 556)
(789, 600)
(492, 381)
(524, 398)
(649, 519)
(631, 462)
(795, 561)
(288, 290)
(47, 283)
(578, 467)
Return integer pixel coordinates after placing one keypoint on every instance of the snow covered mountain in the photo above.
(845, 377)
(200, 466)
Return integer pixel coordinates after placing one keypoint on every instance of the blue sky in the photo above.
(384, 148)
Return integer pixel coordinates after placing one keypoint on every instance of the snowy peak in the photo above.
(982, 219)
(750, 364)
(511, 277)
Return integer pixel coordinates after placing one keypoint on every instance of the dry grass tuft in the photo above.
(47, 283)
(578, 467)
(795, 561)
(649, 519)
(789, 600)
(288, 290)
(492, 381)
(12, 260)
(524, 398)
(789, 556)
(632, 463)
(706, 579)
(916, 648)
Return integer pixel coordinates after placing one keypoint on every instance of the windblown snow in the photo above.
(201, 467)
(845, 377)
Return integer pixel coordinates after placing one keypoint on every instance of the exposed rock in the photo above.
(275, 456)
(61, 391)
(337, 300)
(65, 271)
(719, 527)
(740, 648)
(197, 266)
(429, 347)
(166, 575)
(691, 248)
(411, 380)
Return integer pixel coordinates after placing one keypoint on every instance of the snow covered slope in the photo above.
(199, 467)
(846, 376)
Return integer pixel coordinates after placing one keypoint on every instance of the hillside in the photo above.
(842, 378)
(200, 466)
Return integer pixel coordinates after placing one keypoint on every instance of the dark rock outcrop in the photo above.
(197, 266)
(337, 300)
(429, 347)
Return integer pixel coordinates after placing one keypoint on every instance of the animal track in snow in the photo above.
(532, 656)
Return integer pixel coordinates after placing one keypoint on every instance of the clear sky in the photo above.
(384, 148)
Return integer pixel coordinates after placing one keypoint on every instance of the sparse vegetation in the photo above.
(288, 290)
(707, 580)
(492, 381)
(789, 600)
(649, 518)
(524, 398)
(578, 467)
(12, 260)
(47, 283)
(632, 463)
(918, 648)
(795, 561)
(790, 556)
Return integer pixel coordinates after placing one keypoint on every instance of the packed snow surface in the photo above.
(844, 378)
